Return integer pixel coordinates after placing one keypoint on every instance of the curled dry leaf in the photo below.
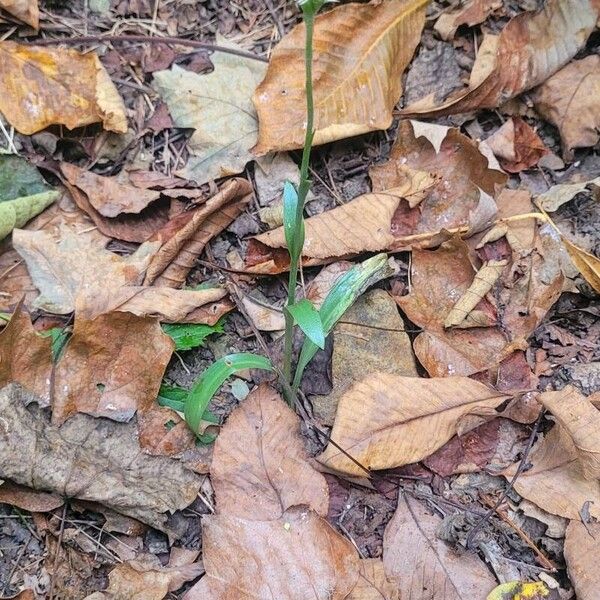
(312, 560)
(360, 53)
(373, 583)
(425, 566)
(25, 356)
(472, 13)
(531, 47)
(112, 366)
(28, 499)
(26, 11)
(570, 100)
(260, 467)
(51, 86)
(108, 195)
(516, 145)
(581, 419)
(558, 195)
(556, 482)
(587, 264)
(90, 459)
(387, 421)
(582, 554)
(218, 106)
(184, 237)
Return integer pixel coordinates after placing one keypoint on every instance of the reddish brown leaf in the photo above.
(28, 499)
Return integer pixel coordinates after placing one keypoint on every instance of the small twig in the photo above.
(57, 553)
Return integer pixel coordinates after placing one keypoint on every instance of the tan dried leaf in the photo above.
(264, 317)
(582, 554)
(90, 459)
(587, 264)
(472, 13)
(425, 566)
(558, 195)
(51, 86)
(111, 367)
(25, 10)
(260, 467)
(373, 584)
(570, 101)
(297, 557)
(108, 195)
(531, 47)
(25, 356)
(387, 421)
(360, 53)
(581, 419)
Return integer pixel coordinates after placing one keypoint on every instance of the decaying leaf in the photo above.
(373, 583)
(470, 14)
(531, 47)
(360, 52)
(570, 101)
(556, 482)
(298, 556)
(587, 264)
(219, 107)
(49, 86)
(516, 145)
(19, 178)
(425, 566)
(260, 467)
(25, 356)
(90, 459)
(28, 499)
(582, 554)
(581, 419)
(264, 317)
(108, 195)
(387, 421)
(26, 11)
(560, 194)
(111, 367)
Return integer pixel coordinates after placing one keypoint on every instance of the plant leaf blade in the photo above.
(307, 317)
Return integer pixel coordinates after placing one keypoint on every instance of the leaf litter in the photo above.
(431, 409)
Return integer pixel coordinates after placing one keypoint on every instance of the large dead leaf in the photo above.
(51, 86)
(25, 10)
(108, 195)
(219, 107)
(556, 482)
(529, 49)
(570, 101)
(360, 53)
(387, 421)
(260, 466)
(297, 557)
(184, 237)
(426, 567)
(582, 554)
(25, 356)
(111, 367)
(27, 499)
(581, 419)
(90, 459)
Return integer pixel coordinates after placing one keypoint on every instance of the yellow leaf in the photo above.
(51, 86)
(587, 264)
(360, 52)
(515, 590)
(15, 213)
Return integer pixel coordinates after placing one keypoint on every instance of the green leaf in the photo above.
(293, 223)
(15, 213)
(189, 335)
(173, 397)
(213, 378)
(341, 297)
(59, 337)
(19, 178)
(308, 319)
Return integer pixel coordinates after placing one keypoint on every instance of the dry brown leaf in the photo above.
(472, 13)
(570, 101)
(587, 264)
(360, 52)
(582, 553)
(581, 419)
(51, 86)
(558, 195)
(373, 584)
(529, 49)
(28, 499)
(90, 459)
(25, 356)
(184, 237)
(516, 145)
(25, 10)
(146, 579)
(426, 567)
(387, 421)
(297, 557)
(556, 482)
(111, 367)
(260, 467)
(108, 195)
(264, 317)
